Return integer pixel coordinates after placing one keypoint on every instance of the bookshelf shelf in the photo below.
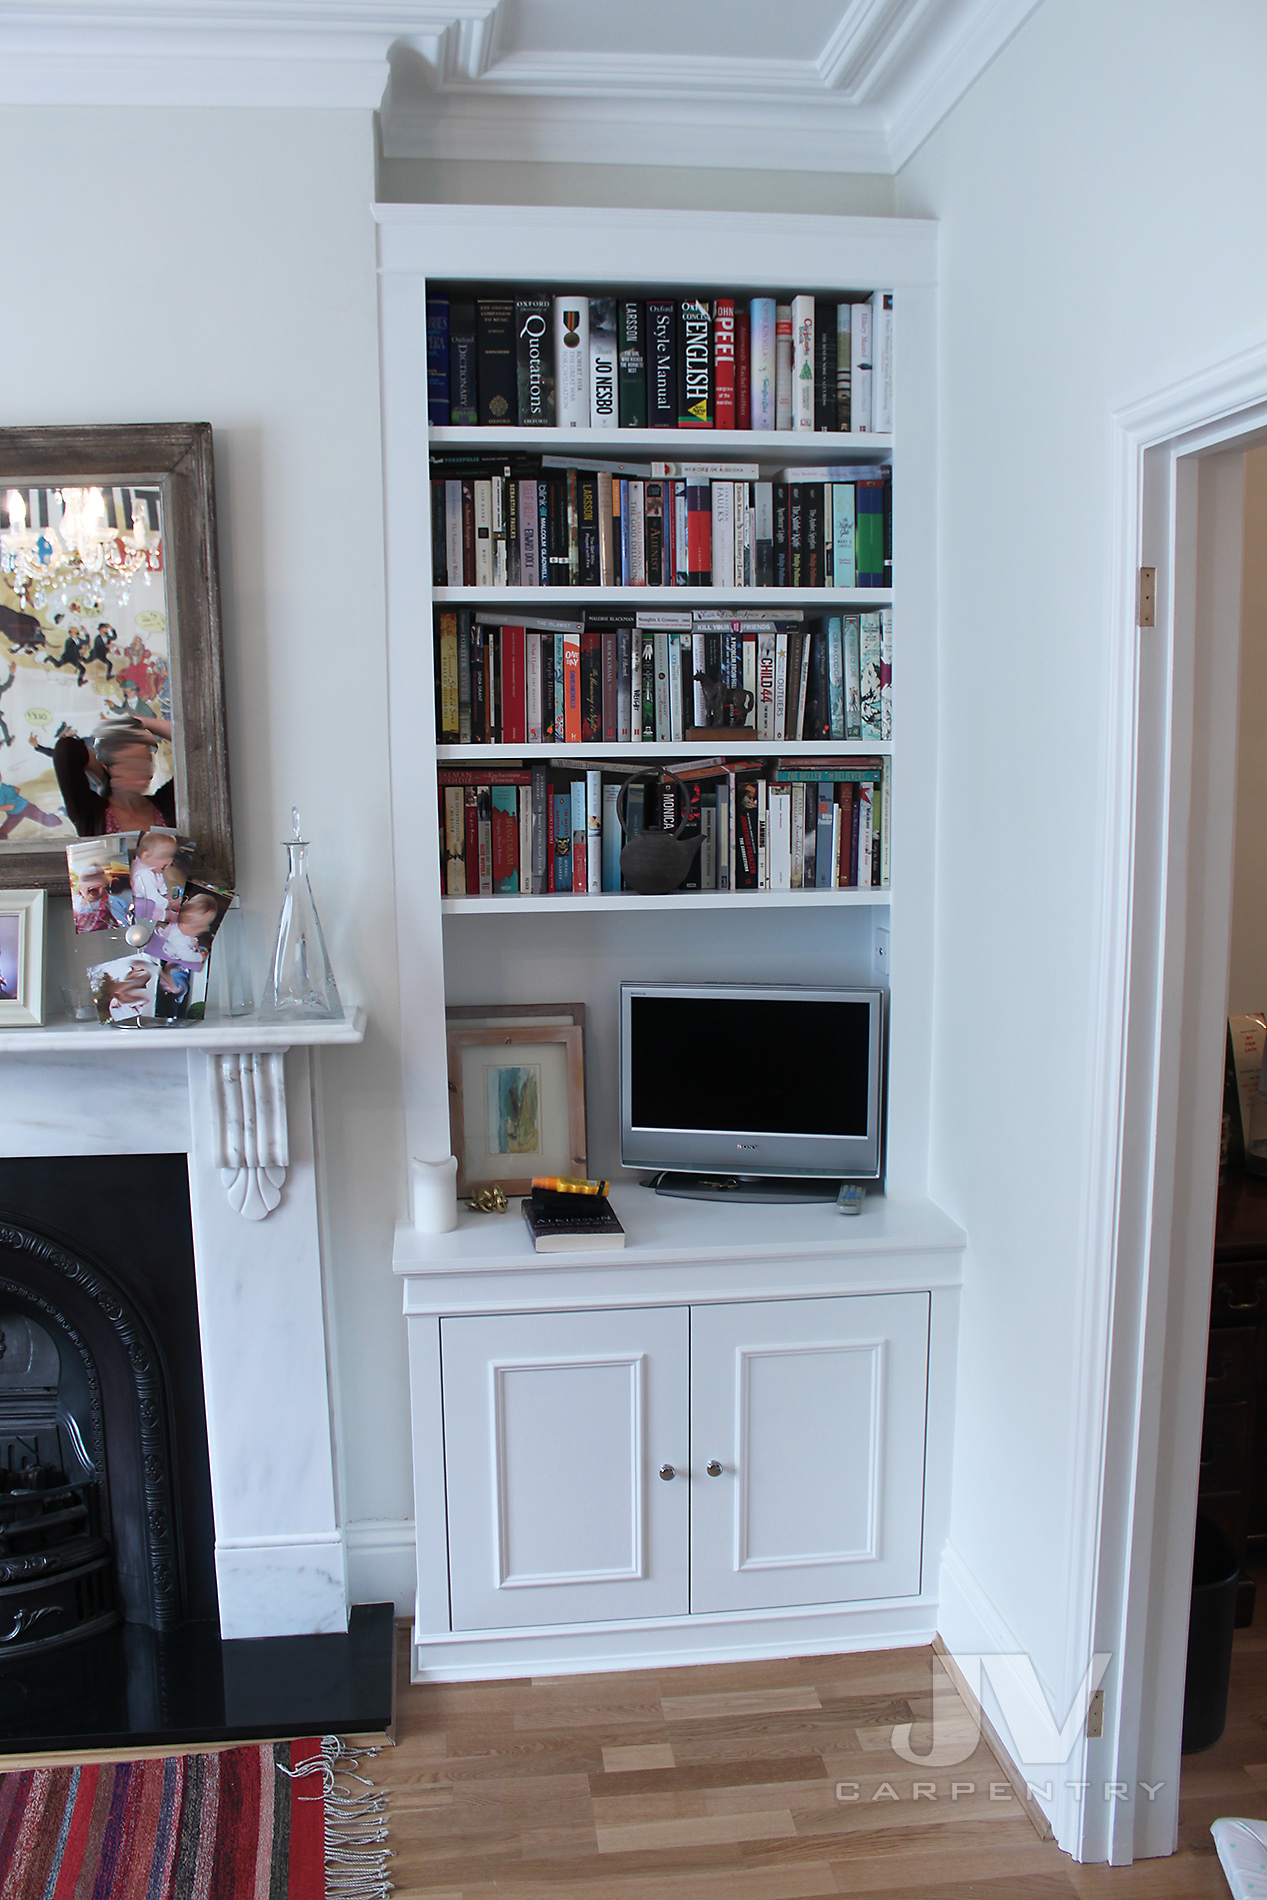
(684, 598)
(563, 903)
(769, 447)
(737, 744)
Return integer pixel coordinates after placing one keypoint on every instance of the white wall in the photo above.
(1247, 965)
(1099, 190)
(219, 266)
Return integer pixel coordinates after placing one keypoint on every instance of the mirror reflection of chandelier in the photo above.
(72, 560)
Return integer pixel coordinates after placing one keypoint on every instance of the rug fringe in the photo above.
(356, 1823)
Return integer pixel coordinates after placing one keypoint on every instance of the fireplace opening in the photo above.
(105, 1489)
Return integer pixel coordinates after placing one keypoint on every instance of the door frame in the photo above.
(1150, 1180)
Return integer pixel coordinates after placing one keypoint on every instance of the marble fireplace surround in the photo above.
(238, 1099)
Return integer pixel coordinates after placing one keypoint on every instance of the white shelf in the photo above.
(652, 751)
(684, 598)
(770, 446)
(217, 1035)
(564, 902)
(661, 1230)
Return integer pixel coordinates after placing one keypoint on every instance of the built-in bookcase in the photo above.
(566, 947)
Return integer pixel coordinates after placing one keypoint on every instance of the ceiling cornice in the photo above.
(886, 76)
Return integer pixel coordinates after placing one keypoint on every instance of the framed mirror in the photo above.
(111, 681)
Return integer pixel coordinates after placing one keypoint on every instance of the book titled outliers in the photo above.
(552, 828)
(572, 361)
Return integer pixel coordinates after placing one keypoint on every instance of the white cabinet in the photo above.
(814, 1411)
(556, 1427)
(779, 1442)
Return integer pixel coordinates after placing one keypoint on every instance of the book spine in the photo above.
(594, 831)
(653, 513)
(573, 528)
(606, 566)
(763, 837)
(708, 844)
(483, 534)
(624, 687)
(535, 362)
(464, 677)
(525, 841)
(699, 533)
(591, 685)
(571, 362)
(851, 631)
(886, 821)
(824, 366)
(782, 547)
(447, 707)
(780, 686)
(454, 841)
(468, 532)
(611, 687)
(882, 361)
(726, 832)
(870, 671)
(886, 673)
(602, 347)
(783, 350)
(812, 501)
(562, 806)
(637, 534)
(588, 565)
(860, 369)
(836, 677)
(663, 725)
(475, 645)
(497, 360)
(501, 564)
(529, 575)
(803, 363)
(809, 868)
(620, 528)
(559, 694)
(611, 839)
(437, 360)
(827, 843)
(571, 689)
(743, 371)
(463, 385)
(763, 403)
(695, 409)
(843, 315)
(439, 549)
(543, 533)
(802, 691)
(850, 792)
(661, 365)
(796, 533)
(863, 796)
(514, 701)
(631, 377)
(843, 570)
(650, 683)
(635, 685)
(699, 674)
(763, 534)
(484, 819)
(869, 533)
(532, 688)
(722, 532)
(674, 666)
(765, 685)
(580, 846)
(748, 674)
(724, 363)
(797, 879)
(681, 536)
(779, 828)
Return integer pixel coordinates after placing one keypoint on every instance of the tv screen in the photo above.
(753, 1080)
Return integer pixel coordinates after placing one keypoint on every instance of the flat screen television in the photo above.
(750, 1084)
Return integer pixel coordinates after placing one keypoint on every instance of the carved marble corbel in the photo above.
(248, 1105)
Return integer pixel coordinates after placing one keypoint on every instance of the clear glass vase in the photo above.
(300, 980)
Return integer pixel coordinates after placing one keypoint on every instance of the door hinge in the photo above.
(1095, 1708)
(1147, 596)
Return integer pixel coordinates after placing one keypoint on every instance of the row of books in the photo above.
(578, 362)
(665, 678)
(555, 828)
(554, 523)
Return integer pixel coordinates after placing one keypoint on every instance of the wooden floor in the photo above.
(720, 1783)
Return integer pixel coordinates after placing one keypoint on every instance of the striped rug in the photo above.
(243, 1824)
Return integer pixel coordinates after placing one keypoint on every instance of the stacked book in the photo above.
(571, 1217)
(553, 828)
(553, 521)
(670, 362)
(662, 677)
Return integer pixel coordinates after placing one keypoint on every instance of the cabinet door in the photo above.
(555, 1429)
(814, 1409)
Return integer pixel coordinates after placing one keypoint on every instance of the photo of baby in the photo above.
(160, 865)
(100, 881)
(188, 938)
(125, 989)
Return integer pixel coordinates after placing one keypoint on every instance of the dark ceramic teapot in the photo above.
(655, 862)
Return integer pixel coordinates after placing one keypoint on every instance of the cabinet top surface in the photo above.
(660, 1230)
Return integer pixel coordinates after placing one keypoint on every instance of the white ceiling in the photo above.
(808, 85)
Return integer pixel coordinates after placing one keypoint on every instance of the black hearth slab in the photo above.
(131, 1688)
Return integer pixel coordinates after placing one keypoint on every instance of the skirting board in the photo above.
(1041, 1825)
(382, 1562)
(746, 1636)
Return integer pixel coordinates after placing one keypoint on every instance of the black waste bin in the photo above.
(1210, 1625)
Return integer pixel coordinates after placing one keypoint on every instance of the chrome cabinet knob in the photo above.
(713, 1468)
(667, 1472)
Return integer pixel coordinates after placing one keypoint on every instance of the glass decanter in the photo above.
(300, 980)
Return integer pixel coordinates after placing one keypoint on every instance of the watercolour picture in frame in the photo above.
(22, 915)
(516, 1102)
(111, 688)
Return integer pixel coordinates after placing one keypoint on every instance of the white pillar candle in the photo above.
(436, 1195)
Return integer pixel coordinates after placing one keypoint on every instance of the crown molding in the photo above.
(887, 75)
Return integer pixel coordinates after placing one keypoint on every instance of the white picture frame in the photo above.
(22, 919)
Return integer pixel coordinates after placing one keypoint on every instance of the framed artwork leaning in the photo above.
(516, 1099)
(111, 679)
(22, 915)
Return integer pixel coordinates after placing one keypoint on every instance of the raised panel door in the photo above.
(807, 1421)
(556, 1427)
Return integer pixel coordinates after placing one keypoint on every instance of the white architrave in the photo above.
(248, 1106)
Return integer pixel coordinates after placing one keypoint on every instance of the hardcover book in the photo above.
(631, 379)
(860, 369)
(497, 360)
(763, 359)
(870, 668)
(743, 369)
(437, 360)
(783, 366)
(695, 409)
(803, 363)
(661, 364)
(571, 362)
(882, 361)
(535, 362)
(843, 316)
(463, 385)
(724, 362)
(603, 414)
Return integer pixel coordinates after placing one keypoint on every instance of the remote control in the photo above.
(849, 1200)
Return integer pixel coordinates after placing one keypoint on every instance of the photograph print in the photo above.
(111, 697)
(10, 957)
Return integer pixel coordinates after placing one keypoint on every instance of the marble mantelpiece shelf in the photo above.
(238, 1035)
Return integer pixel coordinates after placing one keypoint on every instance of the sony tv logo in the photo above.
(748, 1146)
